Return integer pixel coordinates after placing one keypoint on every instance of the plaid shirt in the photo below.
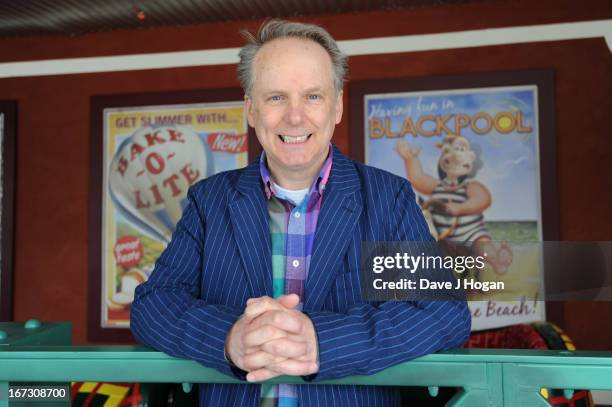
(292, 231)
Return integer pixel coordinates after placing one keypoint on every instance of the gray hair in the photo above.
(275, 29)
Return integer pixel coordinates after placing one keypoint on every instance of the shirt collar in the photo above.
(319, 183)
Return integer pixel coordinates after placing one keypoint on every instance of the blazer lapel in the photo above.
(338, 218)
(249, 217)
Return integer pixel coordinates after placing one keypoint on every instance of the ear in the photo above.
(248, 104)
(339, 106)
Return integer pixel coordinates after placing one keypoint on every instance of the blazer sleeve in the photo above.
(369, 338)
(167, 313)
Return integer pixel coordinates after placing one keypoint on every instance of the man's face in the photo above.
(293, 106)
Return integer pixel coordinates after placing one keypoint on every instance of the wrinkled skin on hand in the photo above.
(273, 338)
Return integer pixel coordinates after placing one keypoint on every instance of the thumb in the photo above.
(289, 301)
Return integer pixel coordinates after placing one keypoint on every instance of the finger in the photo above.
(262, 335)
(259, 306)
(260, 359)
(291, 297)
(289, 301)
(294, 367)
(280, 319)
(261, 375)
(247, 350)
(291, 337)
(255, 299)
(286, 348)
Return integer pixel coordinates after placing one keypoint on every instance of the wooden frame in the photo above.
(542, 79)
(8, 111)
(98, 104)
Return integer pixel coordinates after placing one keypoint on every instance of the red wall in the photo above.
(53, 129)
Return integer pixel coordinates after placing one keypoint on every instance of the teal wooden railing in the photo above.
(486, 377)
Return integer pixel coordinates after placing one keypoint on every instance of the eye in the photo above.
(314, 97)
(275, 98)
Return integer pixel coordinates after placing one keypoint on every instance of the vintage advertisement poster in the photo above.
(151, 157)
(472, 158)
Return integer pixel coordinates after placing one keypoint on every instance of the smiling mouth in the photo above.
(294, 139)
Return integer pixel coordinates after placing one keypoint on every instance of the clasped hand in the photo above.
(273, 338)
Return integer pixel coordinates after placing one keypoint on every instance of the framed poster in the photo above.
(8, 123)
(479, 151)
(146, 151)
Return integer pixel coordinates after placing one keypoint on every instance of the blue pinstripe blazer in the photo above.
(220, 255)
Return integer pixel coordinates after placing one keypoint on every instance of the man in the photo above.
(290, 227)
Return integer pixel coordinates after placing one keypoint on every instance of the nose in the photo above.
(295, 113)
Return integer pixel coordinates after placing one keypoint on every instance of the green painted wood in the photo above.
(470, 398)
(126, 363)
(531, 399)
(32, 324)
(4, 394)
(495, 384)
(33, 332)
(571, 375)
(489, 377)
(523, 381)
(456, 355)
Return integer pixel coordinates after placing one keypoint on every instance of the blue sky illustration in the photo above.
(511, 167)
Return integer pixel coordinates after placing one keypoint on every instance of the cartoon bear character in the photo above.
(457, 201)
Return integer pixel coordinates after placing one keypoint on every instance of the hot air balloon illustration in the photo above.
(151, 172)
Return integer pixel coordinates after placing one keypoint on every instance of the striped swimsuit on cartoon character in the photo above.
(468, 228)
